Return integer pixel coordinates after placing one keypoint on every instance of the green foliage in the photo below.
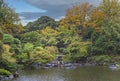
(67, 58)
(22, 58)
(28, 47)
(1, 48)
(111, 26)
(85, 32)
(73, 46)
(4, 72)
(1, 33)
(7, 59)
(115, 58)
(1, 2)
(42, 55)
(7, 55)
(48, 37)
(25, 57)
(78, 50)
(41, 23)
(31, 37)
(8, 39)
(110, 8)
(67, 35)
(9, 19)
(99, 45)
(107, 42)
(101, 59)
(13, 42)
(16, 47)
(38, 54)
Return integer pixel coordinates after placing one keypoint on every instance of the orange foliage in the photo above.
(78, 17)
(97, 18)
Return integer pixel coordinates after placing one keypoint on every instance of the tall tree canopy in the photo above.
(42, 23)
(78, 17)
(108, 41)
(9, 20)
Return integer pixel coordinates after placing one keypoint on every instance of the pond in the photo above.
(84, 73)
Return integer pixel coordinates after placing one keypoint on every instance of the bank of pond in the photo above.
(10, 76)
(7, 75)
(72, 65)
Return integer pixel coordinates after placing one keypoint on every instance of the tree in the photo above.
(28, 47)
(31, 37)
(111, 9)
(108, 21)
(1, 31)
(48, 36)
(13, 42)
(9, 20)
(78, 17)
(42, 55)
(37, 54)
(78, 50)
(41, 23)
(8, 61)
(96, 19)
(71, 45)
(111, 26)
(8, 39)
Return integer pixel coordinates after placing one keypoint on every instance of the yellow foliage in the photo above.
(48, 31)
(6, 48)
(97, 18)
(42, 54)
(7, 55)
(9, 58)
(52, 49)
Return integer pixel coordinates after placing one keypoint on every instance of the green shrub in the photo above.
(101, 59)
(8, 39)
(4, 72)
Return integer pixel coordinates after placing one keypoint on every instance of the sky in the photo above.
(30, 10)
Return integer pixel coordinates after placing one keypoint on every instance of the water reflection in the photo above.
(89, 73)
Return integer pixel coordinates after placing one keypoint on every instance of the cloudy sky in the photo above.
(29, 10)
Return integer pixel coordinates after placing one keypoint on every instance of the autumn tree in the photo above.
(9, 23)
(9, 20)
(96, 19)
(107, 19)
(78, 17)
(8, 61)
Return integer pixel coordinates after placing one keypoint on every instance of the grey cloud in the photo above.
(43, 3)
(52, 12)
(55, 8)
(30, 15)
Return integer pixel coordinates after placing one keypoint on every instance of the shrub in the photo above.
(4, 72)
(101, 59)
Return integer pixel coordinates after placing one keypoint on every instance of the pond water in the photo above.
(89, 73)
